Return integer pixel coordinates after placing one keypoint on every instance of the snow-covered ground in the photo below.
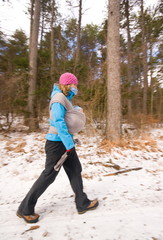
(131, 203)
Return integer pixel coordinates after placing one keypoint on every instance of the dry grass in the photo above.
(107, 145)
(143, 142)
(141, 120)
(18, 148)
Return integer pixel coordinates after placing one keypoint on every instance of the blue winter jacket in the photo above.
(57, 121)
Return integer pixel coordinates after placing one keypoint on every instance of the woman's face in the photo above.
(74, 85)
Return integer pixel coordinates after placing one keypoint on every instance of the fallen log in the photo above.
(112, 165)
(123, 171)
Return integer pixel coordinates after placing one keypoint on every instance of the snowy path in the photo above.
(131, 204)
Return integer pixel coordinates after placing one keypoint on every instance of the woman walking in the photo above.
(60, 150)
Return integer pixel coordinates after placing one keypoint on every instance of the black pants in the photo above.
(72, 167)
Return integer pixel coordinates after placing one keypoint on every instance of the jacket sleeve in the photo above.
(58, 113)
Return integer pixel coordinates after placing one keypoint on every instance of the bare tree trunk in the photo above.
(144, 50)
(77, 52)
(151, 81)
(33, 121)
(129, 56)
(52, 42)
(113, 125)
(160, 103)
(42, 27)
(41, 36)
(31, 20)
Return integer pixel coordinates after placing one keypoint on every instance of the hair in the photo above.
(65, 88)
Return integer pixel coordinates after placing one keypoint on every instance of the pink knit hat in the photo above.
(68, 78)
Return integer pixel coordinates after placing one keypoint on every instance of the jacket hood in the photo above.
(56, 89)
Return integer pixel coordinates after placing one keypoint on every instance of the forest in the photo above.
(64, 45)
(119, 67)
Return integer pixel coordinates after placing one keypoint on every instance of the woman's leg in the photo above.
(54, 151)
(72, 167)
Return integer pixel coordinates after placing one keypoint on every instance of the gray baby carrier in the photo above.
(74, 119)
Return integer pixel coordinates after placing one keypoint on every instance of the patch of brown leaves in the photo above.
(144, 142)
(87, 176)
(18, 148)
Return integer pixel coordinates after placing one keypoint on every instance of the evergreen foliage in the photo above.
(90, 70)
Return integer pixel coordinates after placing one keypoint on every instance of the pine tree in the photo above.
(33, 121)
(113, 125)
